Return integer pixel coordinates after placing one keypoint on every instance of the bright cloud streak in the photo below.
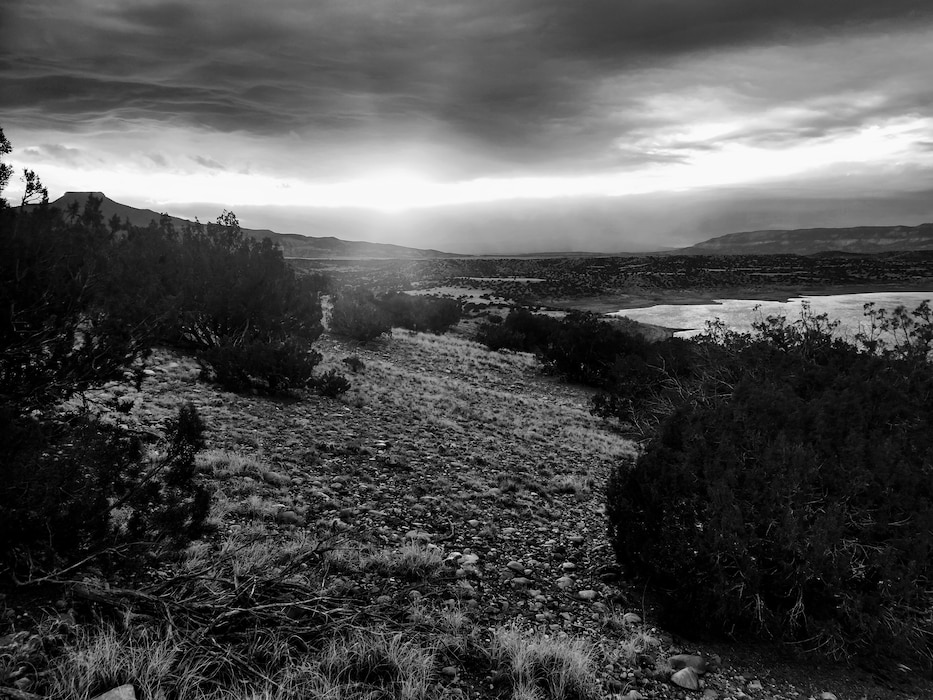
(399, 190)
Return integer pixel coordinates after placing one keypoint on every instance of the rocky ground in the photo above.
(452, 483)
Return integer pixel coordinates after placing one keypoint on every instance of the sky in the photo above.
(480, 126)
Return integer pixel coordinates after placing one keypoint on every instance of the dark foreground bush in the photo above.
(357, 315)
(521, 330)
(265, 367)
(421, 313)
(585, 348)
(74, 486)
(332, 384)
(791, 496)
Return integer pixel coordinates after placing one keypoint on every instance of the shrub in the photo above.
(332, 384)
(421, 313)
(643, 386)
(789, 495)
(521, 330)
(266, 367)
(72, 486)
(584, 348)
(581, 347)
(58, 333)
(356, 315)
(198, 286)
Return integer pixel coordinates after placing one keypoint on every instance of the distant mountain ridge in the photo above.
(293, 245)
(807, 241)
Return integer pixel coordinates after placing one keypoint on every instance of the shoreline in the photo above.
(612, 303)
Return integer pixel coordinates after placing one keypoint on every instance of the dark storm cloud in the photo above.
(521, 77)
(635, 28)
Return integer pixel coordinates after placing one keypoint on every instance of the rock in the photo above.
(288, 517)
(609, 573)
(587, 595)
(568, 566)
(631, 618)
(699, 663)
(516, 566)
(615, 685)
(564, 582)
(520, 582)
(686, 678)
(710, 694)
(826, 695)
(124, 692)
(633, 695)
(755, 685)
(449, 671)
(276, 479)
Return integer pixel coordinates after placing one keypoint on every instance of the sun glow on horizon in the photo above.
(396, 189)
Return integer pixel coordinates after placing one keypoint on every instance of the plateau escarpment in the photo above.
(859, 239)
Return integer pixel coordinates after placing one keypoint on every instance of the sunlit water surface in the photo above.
(739, 314)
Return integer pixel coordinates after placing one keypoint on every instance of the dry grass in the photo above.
(449, 381)
(368, 663)
(100, 659)
(224, 464)
(576, 484)
(374, 663)
(543, 667)
(637, 645)
(413, 560)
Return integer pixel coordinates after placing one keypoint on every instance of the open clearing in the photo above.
(441, 521)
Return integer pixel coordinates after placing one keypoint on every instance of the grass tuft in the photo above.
(413, 560)
(375, 663)
(539, 666)
(103, 658)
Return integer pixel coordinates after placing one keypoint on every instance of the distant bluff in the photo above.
(859, 239)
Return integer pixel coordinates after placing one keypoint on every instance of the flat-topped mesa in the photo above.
(858, 239)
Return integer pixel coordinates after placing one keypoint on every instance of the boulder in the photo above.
(701, 663)
(686, 678)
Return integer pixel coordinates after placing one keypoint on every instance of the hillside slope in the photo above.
(447, 510)
(861, 239)
(293, 245)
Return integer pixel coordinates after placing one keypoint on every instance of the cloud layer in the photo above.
(294, 94)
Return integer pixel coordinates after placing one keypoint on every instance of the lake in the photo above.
(739, 314)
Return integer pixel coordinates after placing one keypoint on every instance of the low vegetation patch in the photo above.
(424, 314)
(357, 315)
(536, 666)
